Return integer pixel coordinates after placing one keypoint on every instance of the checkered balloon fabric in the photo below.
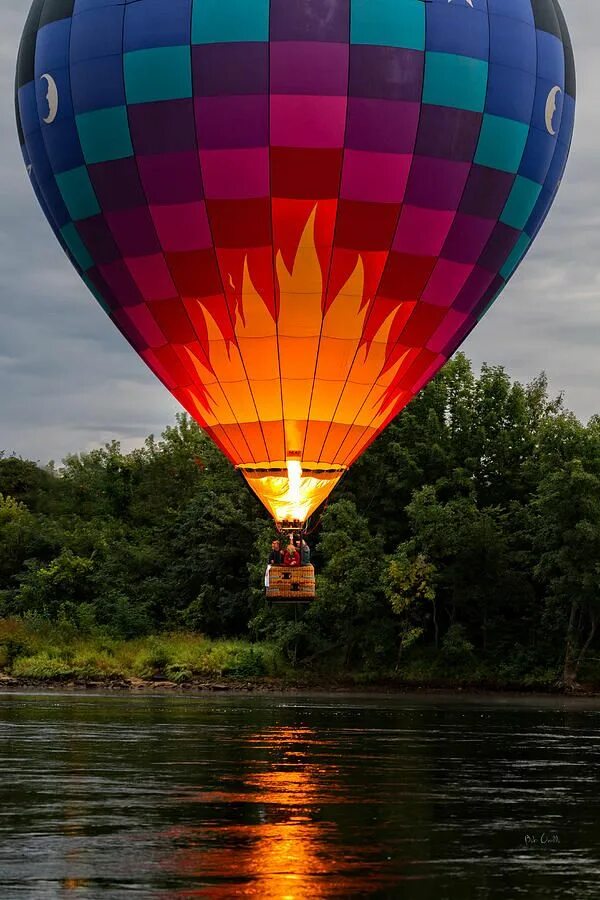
(295, 210)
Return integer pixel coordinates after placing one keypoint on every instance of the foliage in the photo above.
(43, 666)
(409, 581)
(37, 649)
(466, 541)
(456, 646)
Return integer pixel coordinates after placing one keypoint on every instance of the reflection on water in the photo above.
(287, 851)
(177, 797)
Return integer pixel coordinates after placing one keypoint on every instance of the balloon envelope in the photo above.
(296, 210)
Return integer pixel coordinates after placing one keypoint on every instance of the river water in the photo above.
(298, 797)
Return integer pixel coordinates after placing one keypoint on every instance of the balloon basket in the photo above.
(291, 585)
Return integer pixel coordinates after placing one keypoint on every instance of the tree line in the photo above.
(465, 541)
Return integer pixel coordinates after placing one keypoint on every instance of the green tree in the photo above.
(409, 584)
(468, 547)
(27, 482)
(45, 589)
(352, 609)
(21, 539)
(568, 540)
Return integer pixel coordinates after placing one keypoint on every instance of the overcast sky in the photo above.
(69, 382)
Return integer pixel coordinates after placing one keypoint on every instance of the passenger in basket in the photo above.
(304, 553)
(291, 557)
(276, 555)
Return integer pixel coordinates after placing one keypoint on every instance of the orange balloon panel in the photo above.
(283, 375)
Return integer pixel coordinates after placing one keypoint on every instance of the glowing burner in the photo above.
(293, 491)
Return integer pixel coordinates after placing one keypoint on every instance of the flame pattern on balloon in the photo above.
(295, 210)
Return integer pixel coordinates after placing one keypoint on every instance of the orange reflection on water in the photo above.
(275, 845)
(72, 828)
(74, 884)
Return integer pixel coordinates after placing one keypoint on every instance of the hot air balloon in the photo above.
(295, 210)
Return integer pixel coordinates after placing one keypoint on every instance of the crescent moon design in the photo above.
(551, 109)
(52, 98)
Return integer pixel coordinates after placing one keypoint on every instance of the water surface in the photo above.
(293, 797)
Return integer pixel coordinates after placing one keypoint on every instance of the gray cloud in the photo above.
(68, 380)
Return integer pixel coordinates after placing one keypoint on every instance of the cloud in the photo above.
(68, 380)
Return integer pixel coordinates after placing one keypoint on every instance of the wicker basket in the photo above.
(290, 583)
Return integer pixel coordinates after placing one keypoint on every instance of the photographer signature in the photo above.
(544, 839)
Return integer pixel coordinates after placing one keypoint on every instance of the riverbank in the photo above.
(292, 684)
(37, 655)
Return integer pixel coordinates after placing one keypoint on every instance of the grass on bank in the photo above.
(49, 652)
(37, 650)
